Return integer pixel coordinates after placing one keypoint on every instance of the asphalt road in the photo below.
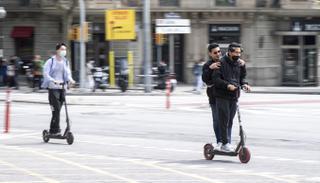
(136, 139)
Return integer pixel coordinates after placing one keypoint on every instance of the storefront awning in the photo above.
(22, 32)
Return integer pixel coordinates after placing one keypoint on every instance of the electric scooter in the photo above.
(241, 150)
(46, 136)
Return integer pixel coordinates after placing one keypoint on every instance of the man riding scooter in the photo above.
(227, 81)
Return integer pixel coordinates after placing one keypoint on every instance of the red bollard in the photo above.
(7, 112)
(168, 90)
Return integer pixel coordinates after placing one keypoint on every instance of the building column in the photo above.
(195, 48)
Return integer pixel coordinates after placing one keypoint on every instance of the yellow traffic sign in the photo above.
(120, 24)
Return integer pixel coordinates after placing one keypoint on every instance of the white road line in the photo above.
(313, 179)
(301, 161)
(175, 171)
(46, 154)
(11, 136)
(28, 172)
(288, 159)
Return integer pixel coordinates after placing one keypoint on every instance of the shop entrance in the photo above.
(299, 60)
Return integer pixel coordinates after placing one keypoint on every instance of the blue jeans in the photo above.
(215, 120)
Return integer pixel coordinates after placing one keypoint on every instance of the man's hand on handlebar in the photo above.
(246, 88)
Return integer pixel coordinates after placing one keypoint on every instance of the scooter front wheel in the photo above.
(244, 155)
(70, 138)
(45, 136)
(208, 151)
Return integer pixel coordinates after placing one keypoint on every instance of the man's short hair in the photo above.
(212, 46)
(233, 46)
(58, 46)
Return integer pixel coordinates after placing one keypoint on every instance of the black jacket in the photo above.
(230, 72)
(207, 78)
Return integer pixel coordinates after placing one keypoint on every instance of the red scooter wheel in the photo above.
(244, 155)
(208, 151)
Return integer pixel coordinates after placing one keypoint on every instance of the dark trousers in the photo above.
(56, 99)
(215, 121)
(226, 110)
(37, 80)
(12, 82)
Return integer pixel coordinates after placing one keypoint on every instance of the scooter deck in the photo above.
(231, 153)
(56, 137)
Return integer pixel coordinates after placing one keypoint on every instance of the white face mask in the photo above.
(62, 53)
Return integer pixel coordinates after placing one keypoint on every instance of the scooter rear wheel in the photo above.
(45, 136)
(244, 155)
(70, 138)
(208, 151)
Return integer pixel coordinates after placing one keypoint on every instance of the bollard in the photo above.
(7, 112)
(168, 90)
(112, 69)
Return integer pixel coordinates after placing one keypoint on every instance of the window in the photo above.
(309, 40)
(131, 3)
(290, 40)
(225, 2)
(169, 2)
(24, 2)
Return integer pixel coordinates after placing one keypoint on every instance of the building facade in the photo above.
(281, 38)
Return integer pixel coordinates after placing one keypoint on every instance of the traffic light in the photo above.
(159, 39)
(74, 32)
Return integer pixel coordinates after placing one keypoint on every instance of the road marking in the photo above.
(313, 179)
(288, 159)
(11, 136)
(134, 161)
(302, 161)
(46, 154)
(174, 171)
(28, 172)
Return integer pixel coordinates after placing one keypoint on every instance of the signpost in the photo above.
(172, 24)
(120, 26)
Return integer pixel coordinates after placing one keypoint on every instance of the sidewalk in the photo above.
(86, 97)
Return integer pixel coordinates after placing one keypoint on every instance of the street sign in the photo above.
(173, 22)
(120, 24)
(173, 26)
(172, 15)
(173, 30)
(2, 12)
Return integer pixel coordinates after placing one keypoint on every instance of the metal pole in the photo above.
(159, 54)
(147, 46)
(2, 15)
(171, 53)
(82, 43)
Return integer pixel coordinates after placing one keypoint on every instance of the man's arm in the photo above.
(218, 81)
(46, 70)
(206, 74)
(244, 84)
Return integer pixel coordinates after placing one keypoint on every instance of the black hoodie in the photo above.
(207, 78)
(230, 72)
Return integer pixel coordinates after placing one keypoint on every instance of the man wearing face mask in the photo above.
(228, 80)
(56, 75)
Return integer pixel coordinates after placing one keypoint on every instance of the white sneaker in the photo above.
(218, 146)
(227, 148)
